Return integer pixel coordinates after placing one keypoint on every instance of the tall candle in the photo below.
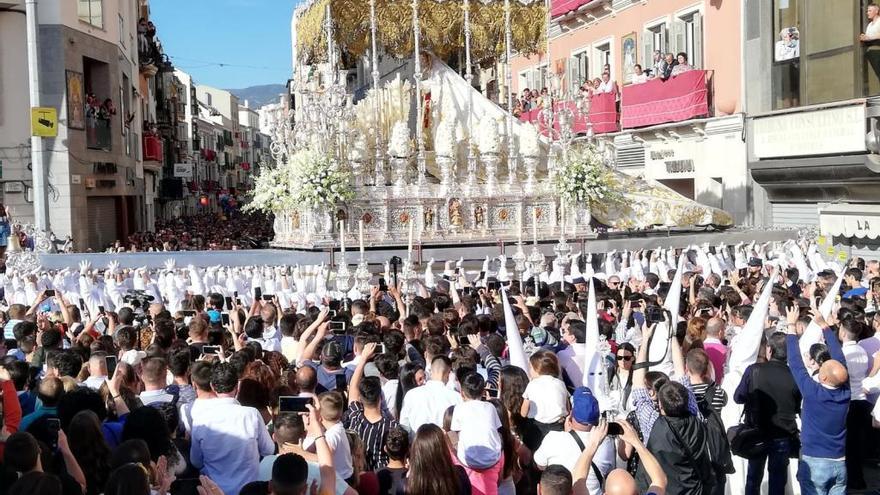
(361, 234)
(409, 248)
(562, 218)
(342, 236)
(519, 225)
(535, 224)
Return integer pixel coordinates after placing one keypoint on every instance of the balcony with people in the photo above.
(99, 135)
(672, 90)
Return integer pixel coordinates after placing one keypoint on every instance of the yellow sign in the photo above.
(44, 122)
(831, 251)
(842, 256)
(821, 240)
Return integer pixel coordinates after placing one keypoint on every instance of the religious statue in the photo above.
(478, 217)
(429, 218)
(341, 215)
(455, 219)
(294, 220)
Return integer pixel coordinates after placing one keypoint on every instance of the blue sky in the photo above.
(251, 36)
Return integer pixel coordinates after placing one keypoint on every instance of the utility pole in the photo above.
(38, 168)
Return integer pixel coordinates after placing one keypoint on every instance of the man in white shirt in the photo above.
(428, 403)
(607, 85)
(571, 359)
(565, 447)
(288, 436)
(858, 428)
(228, 438)
(154, 374)
(871, 39)
(97, 371)
(639, 75)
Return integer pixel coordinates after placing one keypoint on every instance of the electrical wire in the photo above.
(206, 63)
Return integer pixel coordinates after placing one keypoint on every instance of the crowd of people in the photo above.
(665, 66)
(627, 373)
(204, 232)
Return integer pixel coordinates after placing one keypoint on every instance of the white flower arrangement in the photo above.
(530, 142)
(360, 149)
(400, 144)
(488, 140)
(309, 179)
(445, 141)
(584, 178)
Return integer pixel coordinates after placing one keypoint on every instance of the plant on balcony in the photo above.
(583, 178)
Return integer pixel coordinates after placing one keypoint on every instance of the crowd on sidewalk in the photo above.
(681, 371)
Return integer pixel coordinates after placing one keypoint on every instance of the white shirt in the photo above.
(148, 397)
(95, 382)
(314, 475)
(479, 443)
(857, 366)
(227, 442)
(639, 78)
(337, 440)
(389, 393)
(548, 399)
(571, 359)
(427, 404)
(873, 29)
(558, 447)
(606, 87)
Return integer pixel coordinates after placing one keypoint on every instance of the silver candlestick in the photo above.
(363, 276)
(519, 261)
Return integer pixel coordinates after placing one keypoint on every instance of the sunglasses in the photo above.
(624, 358)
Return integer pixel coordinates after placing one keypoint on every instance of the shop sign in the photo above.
(811, 132)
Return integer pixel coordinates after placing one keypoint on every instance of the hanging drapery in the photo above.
(441, 24)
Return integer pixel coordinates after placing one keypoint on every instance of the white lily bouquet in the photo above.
(316, 180)
(271, 190)
(584, 178)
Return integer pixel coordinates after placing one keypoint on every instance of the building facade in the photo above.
(702, 158)
(813, 134)
(101, 67)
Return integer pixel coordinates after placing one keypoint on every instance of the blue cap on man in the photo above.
(584, 406)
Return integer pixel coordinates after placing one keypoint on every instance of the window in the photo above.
(91, 12)
(578, 70)
(122, 31)
(692, 38)
(602, 57)
(814, 59)
(653, 39)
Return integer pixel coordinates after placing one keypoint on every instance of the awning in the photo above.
(560, 7)
(850, 220)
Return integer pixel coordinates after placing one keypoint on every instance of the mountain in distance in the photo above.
(258, 96)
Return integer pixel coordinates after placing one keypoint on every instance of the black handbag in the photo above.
(746, 441)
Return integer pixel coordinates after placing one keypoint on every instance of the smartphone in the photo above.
(492, 285)
(492, 393)
(189, 313)
(462, 341)
(258, 293)
(49, 292)
(383, 287)
(111, 365)
(228, 302)
(224, 317)
(382, 349)
(54, 426)
(267, 297)
(82, 304)
(337, 327)
(331, 313)
(100, 310)
(210, 350)
(341, 383)
(289, 403)
(614, 429)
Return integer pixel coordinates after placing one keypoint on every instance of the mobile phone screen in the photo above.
(337, 327)
(228, 302)
(341, 383)
(111, 365)
(383, 287)
(492, 393)
(211, 350)
(258, 293)
(189, 312)
(101, 310)
(614, 428)
(54, 426)
(225, 318)
(50, 292)
(289, 403)
(267, 297)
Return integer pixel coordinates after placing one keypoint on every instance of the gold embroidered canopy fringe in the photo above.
(441, 24)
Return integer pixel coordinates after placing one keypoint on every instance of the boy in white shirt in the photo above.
(479, 443)
(332, 407)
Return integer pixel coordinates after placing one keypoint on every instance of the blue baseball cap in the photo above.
(584, 406)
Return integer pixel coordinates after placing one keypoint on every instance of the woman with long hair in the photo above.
(431, 470)
(87, 443)
(621, 380)
(412, 375)
(148, 424)
(512, 384)
(129, 479)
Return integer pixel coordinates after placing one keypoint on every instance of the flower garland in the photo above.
(309, 180)
(584, 178)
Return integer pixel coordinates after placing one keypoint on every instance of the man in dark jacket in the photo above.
(772, 402)
(678, 441)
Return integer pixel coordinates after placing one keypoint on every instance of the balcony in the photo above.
(99, 134)
(681, 98)
(152, 148)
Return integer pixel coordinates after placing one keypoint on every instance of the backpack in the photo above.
(716, 435)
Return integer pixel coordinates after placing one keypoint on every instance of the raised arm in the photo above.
(582, 467)
(354, 394)
(325, 455)
(642, 357)
(649, 462)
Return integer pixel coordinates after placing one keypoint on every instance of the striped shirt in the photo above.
(717, 402)
(371, 434)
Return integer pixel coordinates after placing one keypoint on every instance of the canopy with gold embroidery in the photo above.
(441, 24)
